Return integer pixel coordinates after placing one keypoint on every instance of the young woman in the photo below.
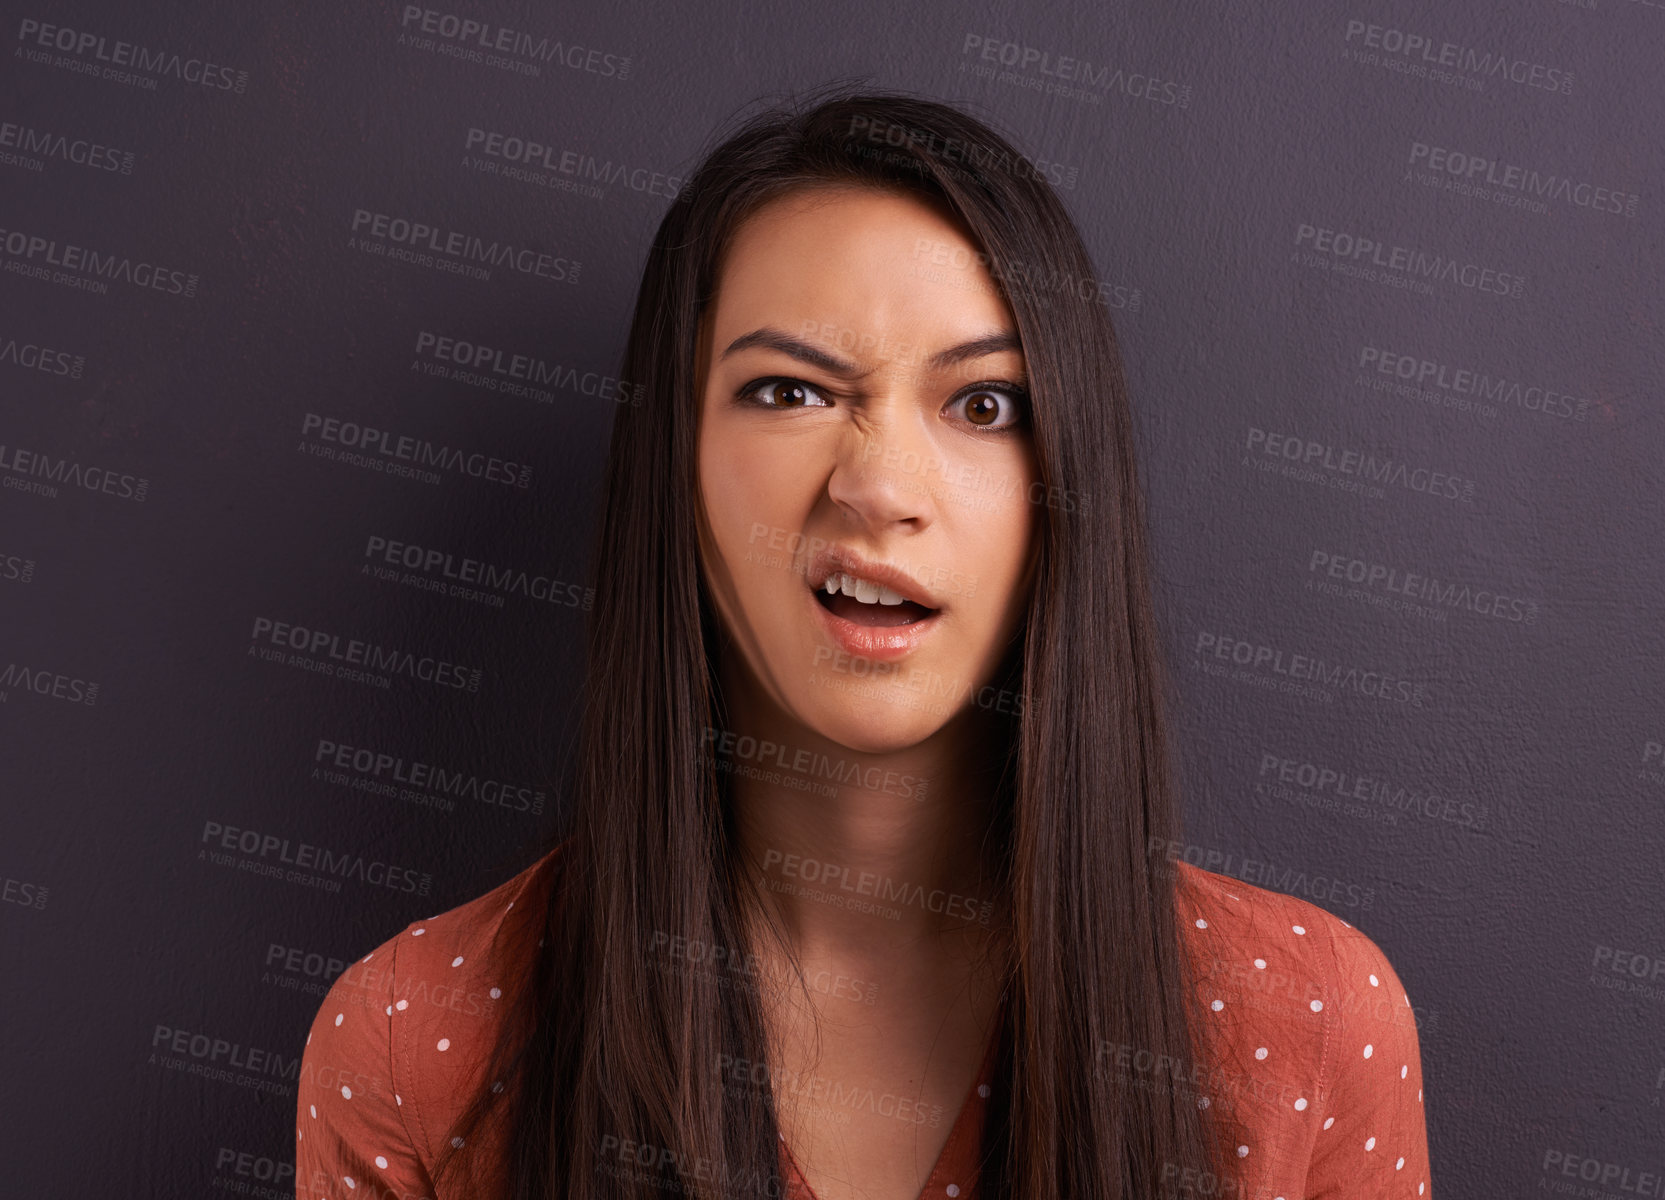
(872, 883)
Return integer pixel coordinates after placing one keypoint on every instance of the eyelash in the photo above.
(1018, 394)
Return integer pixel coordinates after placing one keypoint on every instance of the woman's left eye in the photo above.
(989, 407)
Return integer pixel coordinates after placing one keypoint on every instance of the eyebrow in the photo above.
(771, 338)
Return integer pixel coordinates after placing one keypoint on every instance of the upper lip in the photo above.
(832, 559)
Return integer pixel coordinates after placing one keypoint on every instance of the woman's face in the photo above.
(862, 420)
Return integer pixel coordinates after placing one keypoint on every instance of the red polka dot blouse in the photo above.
(1315, 1073)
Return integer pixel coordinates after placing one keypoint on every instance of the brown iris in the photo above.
(982, 408)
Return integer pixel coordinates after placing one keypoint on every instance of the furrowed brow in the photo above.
(770, 338)
(992, 343)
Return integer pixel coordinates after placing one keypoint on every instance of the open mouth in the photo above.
(863, 603)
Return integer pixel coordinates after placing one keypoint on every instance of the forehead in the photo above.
(856, 260)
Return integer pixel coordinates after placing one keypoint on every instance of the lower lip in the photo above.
(879, 642)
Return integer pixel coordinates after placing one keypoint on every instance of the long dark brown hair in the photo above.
(607, 1051)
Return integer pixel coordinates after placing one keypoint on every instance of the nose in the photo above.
(883, 471)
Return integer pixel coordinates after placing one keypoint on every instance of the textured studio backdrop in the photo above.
(311, 317)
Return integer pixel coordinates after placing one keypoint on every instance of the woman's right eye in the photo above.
(783, 393)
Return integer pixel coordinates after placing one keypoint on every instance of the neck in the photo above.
(857, 856)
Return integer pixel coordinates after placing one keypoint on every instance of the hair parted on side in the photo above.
(602, 1046)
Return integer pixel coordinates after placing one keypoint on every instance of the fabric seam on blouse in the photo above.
(419, 1145)
(1327, 963)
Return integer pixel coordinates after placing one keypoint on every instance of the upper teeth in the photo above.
(861, 589)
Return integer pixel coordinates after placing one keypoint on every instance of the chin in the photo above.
(874, 718)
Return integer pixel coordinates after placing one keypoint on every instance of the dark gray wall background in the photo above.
(1491, 814)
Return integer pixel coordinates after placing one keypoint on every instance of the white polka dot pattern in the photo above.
(1327, 1070)
(1297, 1003)
(1369, 1138)
(374, 1108)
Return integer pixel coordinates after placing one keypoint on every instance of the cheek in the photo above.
(1000, 542)
(733, 500)
(757, 502)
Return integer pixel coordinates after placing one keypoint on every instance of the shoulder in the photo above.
(1307, 1010)
(415, 1020)
(1243, 915)
(1298, 957)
